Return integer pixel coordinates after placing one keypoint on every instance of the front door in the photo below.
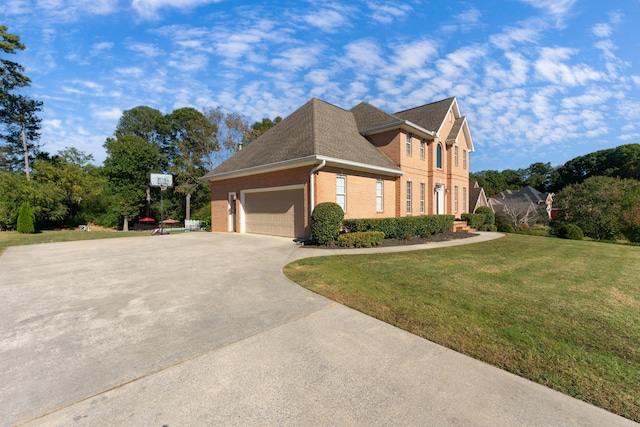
(440, 199)
(231, 208)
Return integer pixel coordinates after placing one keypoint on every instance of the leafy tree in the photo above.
(261, 127)
(540, 176)
(598, 205)
(26, 219)
(75, 179)
(130, 160)
(145, 122)
(192, 139)
(19, 124)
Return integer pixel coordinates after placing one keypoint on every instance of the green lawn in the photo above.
(13, 238)
(562, 313)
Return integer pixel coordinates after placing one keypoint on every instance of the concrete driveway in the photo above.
(204, 329)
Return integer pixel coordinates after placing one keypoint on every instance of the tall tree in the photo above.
(130, 160)
(19, 124)
(192, 140)
(261, 127)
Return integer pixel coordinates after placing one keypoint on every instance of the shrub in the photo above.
(473, 220)
(488, 227)
(26, 219)
(569, 231)
(398, 228)
(489, 215)
(361, 239)
(631, 224)
(504, 227)
(326, 221)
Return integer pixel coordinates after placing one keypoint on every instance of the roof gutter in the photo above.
(312, 185)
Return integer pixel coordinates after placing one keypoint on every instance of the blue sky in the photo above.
(539, 80)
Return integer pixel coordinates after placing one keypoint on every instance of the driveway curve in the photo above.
(204, 329)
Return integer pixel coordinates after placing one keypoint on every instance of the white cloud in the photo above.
(146, 49)
(525, 32)
(550, 66)
(102, 46)
(516, 75)
(135, 72)
(298, 58)
(188, 62)
(329, 20)
(558, 9)
(387, 13)
(602, 30)
(110, 114)
(593, 97)
(149, 8)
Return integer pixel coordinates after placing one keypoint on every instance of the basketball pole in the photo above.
(162, 188)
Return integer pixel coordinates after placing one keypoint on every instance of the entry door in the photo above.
(440, 199)
(231, 207)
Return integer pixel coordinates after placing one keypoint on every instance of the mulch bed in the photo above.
(415, 240)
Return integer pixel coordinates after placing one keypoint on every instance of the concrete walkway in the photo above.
(204, 329)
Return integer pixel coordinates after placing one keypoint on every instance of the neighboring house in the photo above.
(477, 197)
(372, 163)
(528, 196)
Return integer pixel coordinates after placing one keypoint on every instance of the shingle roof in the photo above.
(369, 117)
(315, 129)
(429, 116)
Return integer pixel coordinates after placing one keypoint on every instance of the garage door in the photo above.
(278, 213)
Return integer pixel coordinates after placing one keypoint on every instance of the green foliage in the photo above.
(631, 224)
(26, 219)
(598, 205)
(503, 226)
(362, 239)
(399, 228)
(474, 220)
(489, 215)
(569, 231)
(488, 227)
(326, 221)
(619, 162)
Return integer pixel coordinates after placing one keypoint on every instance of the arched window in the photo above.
(439, 156)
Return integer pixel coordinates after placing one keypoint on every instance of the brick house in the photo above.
(372, 163)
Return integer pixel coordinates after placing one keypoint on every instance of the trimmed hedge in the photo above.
(326, 221)
(570, 231)
(490, 216)
(401, 228)
(362, 239)
(488, 227)
(474, 220)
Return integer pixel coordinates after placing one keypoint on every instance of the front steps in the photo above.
(462, 227)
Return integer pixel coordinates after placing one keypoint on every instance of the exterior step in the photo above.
(462, 227)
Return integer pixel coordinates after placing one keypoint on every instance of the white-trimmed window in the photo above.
(379, 195)
(422, 193)
(408, 197)
(464, 199)
(423, 149)
(455, 155)
(439, 156)
(464, 159)
(341, 191)
(455, 199)
(408, 144)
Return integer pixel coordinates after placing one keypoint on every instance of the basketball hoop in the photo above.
(163, 181)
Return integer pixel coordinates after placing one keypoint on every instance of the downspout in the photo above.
(312, 186)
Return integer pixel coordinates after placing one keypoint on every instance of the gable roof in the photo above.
(315, 132)
(371, 120)
(429, 116)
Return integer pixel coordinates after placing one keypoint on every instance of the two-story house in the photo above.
(371, 163)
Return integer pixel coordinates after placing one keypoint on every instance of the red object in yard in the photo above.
(147, 220)
(170, 221)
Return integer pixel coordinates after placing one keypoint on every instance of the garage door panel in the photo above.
(278, 213)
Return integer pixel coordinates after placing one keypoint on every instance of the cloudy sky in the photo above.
(539, 80)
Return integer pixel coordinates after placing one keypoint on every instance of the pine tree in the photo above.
(26, 219)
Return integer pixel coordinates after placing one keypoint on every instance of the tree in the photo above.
(261, 127)
(519, 212)
(26, 219)
(540, 176)
(19, 124)
(598, 206)
(192, 139)
(130, 160)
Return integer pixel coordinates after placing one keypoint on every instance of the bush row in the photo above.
(401, 228)
(362, 239)
(474, 220)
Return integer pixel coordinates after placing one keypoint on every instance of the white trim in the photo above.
(230, 224)
(301, 162)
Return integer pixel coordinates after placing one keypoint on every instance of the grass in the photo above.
(13, 238)
(563, 313)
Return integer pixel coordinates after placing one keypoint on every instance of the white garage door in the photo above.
(278, 213)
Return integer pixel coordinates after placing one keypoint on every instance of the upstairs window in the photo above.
(379, 195)
(439, 156)
(422, 193)
(455, 155)
(408, 144)
(455, 199)
(423, 149)
(408, 197)
(341, 191)
(464, 159)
